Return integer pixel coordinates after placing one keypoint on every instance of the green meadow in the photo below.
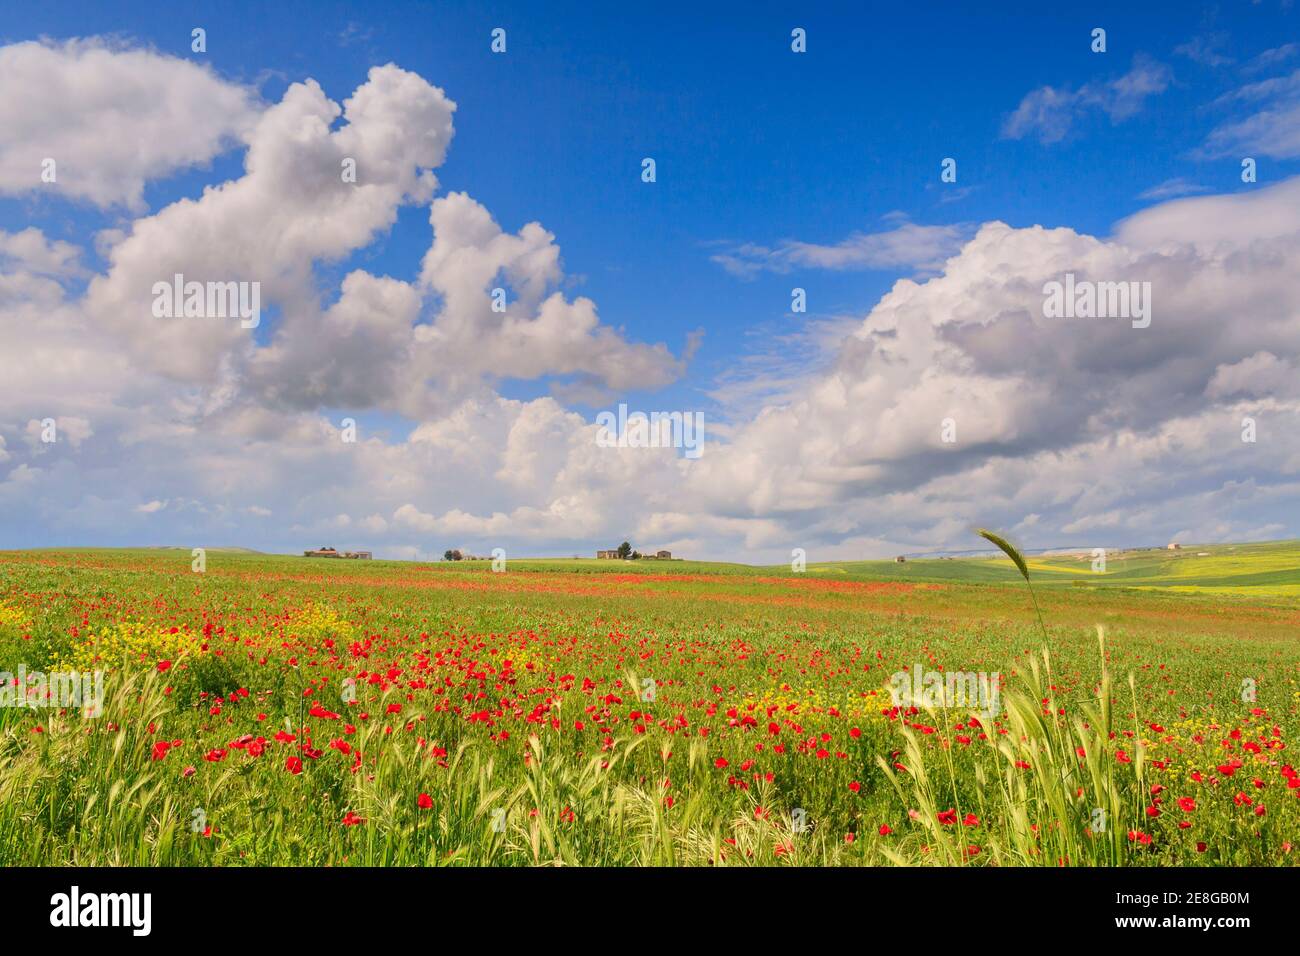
(273, 710)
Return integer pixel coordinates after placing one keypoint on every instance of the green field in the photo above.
(276, 710)
(1270, 569)
(1255, 570)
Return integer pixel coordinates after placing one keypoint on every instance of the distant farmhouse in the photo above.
(657, 556)
(332, 553)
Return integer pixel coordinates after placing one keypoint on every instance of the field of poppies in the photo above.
(288, 711)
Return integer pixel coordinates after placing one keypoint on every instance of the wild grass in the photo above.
(440, 753)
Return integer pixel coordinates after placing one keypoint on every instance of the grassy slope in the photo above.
(1265, 570)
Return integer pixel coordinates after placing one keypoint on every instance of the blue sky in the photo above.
(755, 146)
(752, 143)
